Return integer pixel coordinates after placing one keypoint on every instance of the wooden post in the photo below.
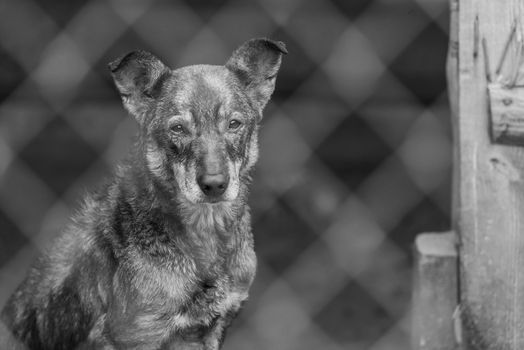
(452, 73)
(435, 292)
(489, 217)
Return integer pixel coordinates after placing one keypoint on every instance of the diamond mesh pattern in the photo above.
(355, 148)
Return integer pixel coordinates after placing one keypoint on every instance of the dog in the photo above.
(162, 256)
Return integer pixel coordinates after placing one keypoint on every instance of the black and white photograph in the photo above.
(262, 174)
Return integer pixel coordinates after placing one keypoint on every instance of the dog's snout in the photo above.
(213, 185)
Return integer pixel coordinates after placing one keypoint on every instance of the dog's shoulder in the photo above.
(66, 287)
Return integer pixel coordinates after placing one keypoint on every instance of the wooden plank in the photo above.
(507, 114)
(435, 292)
(489, 218)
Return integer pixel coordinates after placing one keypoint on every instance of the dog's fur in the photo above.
(161, 257)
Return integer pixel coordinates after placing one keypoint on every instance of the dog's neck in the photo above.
(145, 191)
(206, 233)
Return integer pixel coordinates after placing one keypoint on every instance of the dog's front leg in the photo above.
(215, 338)
(97, 338)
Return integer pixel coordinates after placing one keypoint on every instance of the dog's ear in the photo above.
(138, 77)
(256, 64)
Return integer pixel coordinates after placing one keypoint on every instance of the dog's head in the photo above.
(199, 123)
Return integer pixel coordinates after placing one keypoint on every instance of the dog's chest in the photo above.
(188, 291)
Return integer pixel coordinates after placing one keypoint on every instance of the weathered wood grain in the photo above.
(489, 179)
(435, 292)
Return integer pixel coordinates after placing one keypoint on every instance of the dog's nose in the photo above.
(213, 185)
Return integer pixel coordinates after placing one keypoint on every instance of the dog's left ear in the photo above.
(256, 64)
(138, 77)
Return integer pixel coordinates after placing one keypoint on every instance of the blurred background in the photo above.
(355, 146)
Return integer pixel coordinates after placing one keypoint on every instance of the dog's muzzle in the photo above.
(213, 185)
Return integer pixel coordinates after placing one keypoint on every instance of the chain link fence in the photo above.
(355, 146)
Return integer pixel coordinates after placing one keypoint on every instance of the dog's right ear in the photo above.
(256, 64)
(138, 77)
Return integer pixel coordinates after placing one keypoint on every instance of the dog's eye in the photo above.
(234, 124)
(177, 129)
